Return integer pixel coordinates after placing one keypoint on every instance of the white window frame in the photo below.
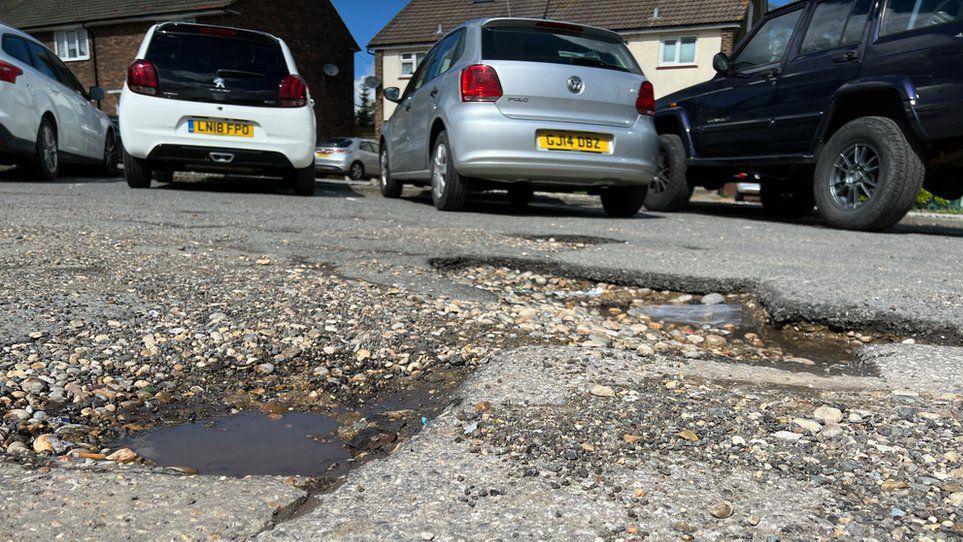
(678, 50)
(415, 59)
(63, 40)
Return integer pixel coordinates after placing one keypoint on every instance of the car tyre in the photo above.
(390, 188)
(108, 164)
(780, 200)
(356, 172)
(137, 172)
(520, 195)
(671, 189)
(303, 180)
(45, 164)
(448, 190)
(868, 175)
(623, 201)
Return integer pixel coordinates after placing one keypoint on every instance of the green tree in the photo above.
(365, 111)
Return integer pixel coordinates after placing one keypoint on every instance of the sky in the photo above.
(365, 18)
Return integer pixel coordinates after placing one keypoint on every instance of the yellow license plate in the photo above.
(574, 142)
(321, 154)
(221, 128)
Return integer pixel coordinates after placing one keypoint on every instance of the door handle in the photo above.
(772, 74)
(433, 93)
(408, 105)
(850, 56)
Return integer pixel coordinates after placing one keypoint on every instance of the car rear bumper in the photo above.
(332, 165)
(211, 159)
(492, 146)
(13, 147)
(147, 122)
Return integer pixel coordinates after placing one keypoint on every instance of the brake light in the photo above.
(142, 78)
(9, 73)
(294, 91)
(575, 29)
(479, 83)
(645, 103)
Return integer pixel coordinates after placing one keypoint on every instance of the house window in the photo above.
(410, 63)
(677, 52)
(72, 44)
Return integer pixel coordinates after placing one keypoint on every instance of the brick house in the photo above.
(98, 39)
(673, 40)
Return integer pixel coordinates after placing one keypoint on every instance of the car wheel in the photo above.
(448, 189)
(670, 190)
(868, 175)
(780, 200)
(45, 164)
(390, 188)
(520, 195)
(165, 176)
(137, 172)
(356, 173)
(623, 201)
(303, 180)
(945, 182)
(108, 164)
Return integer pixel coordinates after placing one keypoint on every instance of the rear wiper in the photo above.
(239, 74)
(589, 61)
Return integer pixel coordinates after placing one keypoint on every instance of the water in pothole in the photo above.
(307, 444)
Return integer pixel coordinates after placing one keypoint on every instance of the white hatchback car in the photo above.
(216, 99)
(46, 115)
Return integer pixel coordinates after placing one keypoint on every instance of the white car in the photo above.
(46, 116)
(216, 99)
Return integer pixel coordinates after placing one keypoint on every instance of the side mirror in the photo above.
(393, 94)
(372, 82)
(720, 63)
(97, 94)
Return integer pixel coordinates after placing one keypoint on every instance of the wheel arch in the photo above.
(676, 122)
(891, 98)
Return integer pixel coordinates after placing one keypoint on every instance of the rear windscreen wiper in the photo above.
(589, 61)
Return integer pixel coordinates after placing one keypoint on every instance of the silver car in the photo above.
(524, 104)
(352, 156)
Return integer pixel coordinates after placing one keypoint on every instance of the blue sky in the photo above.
(365, 18)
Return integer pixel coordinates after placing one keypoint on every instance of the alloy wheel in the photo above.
(855, 176)
(660, 183)
(439, 171)
(356, 172)
(110, 153)
(384, 169)
(48, 145)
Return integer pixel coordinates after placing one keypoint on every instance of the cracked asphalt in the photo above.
(469, 476)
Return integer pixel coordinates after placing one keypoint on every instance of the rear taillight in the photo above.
(294, 92)
(142, 78)
(479, 83)
(9, 73)
(645, 103)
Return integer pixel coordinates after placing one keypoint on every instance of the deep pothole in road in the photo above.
(734, 327)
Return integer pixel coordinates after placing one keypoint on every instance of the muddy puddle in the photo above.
(724, 327)
(312, 444)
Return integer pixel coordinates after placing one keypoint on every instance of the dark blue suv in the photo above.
(843, 105)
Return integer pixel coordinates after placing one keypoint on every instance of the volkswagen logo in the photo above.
(219, 83)
(575, 84)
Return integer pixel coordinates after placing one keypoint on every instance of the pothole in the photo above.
(559, 242)
(277, 440)
(595, 314)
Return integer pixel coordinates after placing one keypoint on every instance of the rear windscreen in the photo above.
(229, 67)
(557, 47)
(339, 143)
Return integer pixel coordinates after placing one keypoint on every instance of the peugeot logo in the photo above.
(575, 84)
(219, 83)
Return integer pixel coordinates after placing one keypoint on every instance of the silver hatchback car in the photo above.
(524, 104)
(352, 156)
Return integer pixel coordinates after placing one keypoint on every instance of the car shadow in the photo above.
(254, 185)
(68, 174)
(492, 203)
(910, 225)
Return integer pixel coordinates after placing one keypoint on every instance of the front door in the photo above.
(736, 118)
(828, 57)
(404, 125)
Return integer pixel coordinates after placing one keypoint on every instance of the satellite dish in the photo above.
(331, 70)
(372, 82)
